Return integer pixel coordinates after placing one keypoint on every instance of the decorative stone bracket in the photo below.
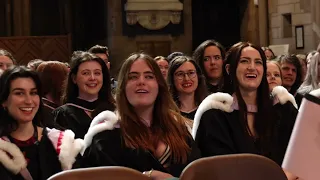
(153, 14)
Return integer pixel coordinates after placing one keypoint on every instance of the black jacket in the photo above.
(108, 149)
(220, 132)
(48, 158)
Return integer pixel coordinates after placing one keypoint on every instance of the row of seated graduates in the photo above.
(153, 135)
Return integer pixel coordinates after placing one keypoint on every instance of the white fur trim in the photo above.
(222, 101)
(283, 95)
(106, 120)
(69, 149)
(17, 162)
(315, 93)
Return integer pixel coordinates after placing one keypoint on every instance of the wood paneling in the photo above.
(154, 48)
(26, 48)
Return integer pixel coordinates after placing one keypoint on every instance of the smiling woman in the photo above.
(150, 132)
(249, 121)
(87, 93)
(187, 85)
(27, 148)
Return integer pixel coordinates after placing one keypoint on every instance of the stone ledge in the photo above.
(154, 6)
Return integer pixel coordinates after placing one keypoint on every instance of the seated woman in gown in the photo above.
(187, 85)
(52, 75)
(87, 93)
(149, 133)
(249, 121)
(27, 148)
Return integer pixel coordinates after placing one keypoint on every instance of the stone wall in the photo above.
(122, 46)
(302, 14)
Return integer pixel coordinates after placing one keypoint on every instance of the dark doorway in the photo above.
(219, 20)
(46, 18)
(85, 20)
(3, 20)
(89, 23)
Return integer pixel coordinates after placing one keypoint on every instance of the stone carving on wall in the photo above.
(153, 14)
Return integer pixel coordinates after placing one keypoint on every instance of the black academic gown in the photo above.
(73, 118)
(107, 149)
(48, 107)
(221, 133)
(47, 162)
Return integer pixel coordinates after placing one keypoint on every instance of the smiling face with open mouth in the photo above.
(250, 69)
(186, 79)
(89, 80)
(23, 100)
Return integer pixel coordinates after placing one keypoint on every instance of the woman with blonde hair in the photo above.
(150, 135)
(312, 79)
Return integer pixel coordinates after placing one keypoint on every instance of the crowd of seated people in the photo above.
(158, 116)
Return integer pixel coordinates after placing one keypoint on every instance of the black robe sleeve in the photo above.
(5, 174)
(60, 117)
(213, 136)
(108, 149)
(72, 118)
(104, 150)
(287, 117)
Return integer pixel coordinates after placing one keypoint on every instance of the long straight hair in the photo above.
(167, 125)
(264, 119)
(198, 57)
(71, 90)
(311, 81)
(7, 123)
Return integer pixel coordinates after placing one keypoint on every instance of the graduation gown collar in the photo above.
(83, 104)
(226, 103)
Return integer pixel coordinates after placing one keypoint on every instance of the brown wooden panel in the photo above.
(154, 48)
(26, 48)
(162, 48)
(146, 47)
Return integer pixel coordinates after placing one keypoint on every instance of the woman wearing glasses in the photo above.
(187, 85)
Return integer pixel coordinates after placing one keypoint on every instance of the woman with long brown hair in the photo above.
(150, 136)
(87, 92)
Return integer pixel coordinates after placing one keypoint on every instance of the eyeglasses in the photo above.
(191, 74)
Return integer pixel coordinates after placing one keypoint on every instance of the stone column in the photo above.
(8, 18)
(249, 25)
(263, 22)
(315, 19)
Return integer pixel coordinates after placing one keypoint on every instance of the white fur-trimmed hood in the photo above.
(16, 162)
(222, 101)
(283, 95)
(106, 120)
(66, 146)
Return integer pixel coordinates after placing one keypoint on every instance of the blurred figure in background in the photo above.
(274, 76)
(210, 55)
(6, 59)
(312, 79)
(163, 64)
(303, 62)
(33, 64)
(52, 75)
(269, 53)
